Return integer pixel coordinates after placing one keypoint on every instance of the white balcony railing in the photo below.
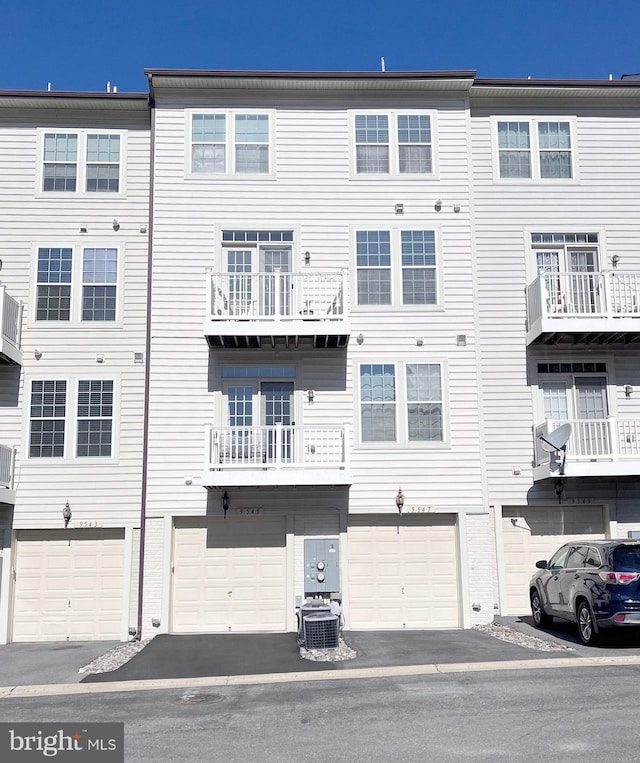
(7, 459)
(277, 447)
(11, 314)
(593, 439)
(276, 296)
(605, 294)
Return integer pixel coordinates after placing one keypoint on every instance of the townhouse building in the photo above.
(367, 337)
(74, 186)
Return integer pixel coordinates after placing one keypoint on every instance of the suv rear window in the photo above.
(626, 559)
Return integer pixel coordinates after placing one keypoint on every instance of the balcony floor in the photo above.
(221, 478)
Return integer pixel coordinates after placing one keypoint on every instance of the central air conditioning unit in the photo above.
(320, 631)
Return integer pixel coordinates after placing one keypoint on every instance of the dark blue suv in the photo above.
(595, 584)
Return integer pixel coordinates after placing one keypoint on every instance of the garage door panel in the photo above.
(531, 533)
(69, 585)
(403, 572)
(230, 575)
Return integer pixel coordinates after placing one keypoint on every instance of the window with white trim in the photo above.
(230, 143)
(386, 389)
(535, 149)
(81, 161)
(52, 423)
(393, 144)
(76, 284)
(396, 267)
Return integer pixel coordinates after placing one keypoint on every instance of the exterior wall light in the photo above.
(66, 514)
(225, 503)
(438, 205)
(400, 500)
(307, 258)
(628, 390)
(558, 489)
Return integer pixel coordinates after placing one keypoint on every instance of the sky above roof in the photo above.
(83, 44)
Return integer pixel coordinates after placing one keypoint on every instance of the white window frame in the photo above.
(71, 418)
(563, 247)
(396, 268)
(401, 404)
(82, 163)
(77, 286)
(568, 378)
(394, 144)
(534, 149)
(229, 145)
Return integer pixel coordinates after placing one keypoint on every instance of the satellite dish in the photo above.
(557, 439)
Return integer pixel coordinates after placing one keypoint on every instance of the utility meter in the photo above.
(321, 565)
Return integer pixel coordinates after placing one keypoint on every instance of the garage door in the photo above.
(403, 572)
(229, 575)
(68, 585)
(533, 533)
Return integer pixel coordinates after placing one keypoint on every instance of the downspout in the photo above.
(147, 367)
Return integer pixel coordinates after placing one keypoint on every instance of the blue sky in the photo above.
(82, 44)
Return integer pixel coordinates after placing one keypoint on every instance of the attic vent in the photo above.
(138, 357)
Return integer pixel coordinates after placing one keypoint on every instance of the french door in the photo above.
(579, 291)
(267, 295)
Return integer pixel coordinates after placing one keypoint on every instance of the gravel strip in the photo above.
(341, 652)
(504, 633)
(115, 658)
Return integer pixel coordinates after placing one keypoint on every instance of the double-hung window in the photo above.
(224, 143)
(396, 267)
(52, 421)
(388, 390)
(76, 284)
(393, 144)
(535, 149)
(81, 161)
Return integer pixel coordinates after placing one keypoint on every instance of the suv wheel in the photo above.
(540, 618)
(586, 624)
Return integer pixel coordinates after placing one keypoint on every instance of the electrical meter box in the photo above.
(321, 565)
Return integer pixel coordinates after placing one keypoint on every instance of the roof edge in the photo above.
(304, 75)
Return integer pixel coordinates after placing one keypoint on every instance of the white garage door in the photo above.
(68, 585)
(229, 575)
(403, 572)
(536, 532)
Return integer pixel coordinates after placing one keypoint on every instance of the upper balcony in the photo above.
(11, 328)
(7, 461)
(277, 309)
(276, 455)
(596, 448)
(599, 307)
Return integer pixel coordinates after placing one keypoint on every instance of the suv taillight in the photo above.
(623, 578)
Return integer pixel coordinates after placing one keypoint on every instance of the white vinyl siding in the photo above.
(536, 149)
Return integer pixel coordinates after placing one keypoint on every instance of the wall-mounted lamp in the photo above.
(399, 209)
(37, 354)
(615, 259)
(310, 395)
(360, 339)
(225, 503)
(307, 258)
(628, 390)
(116, 225)
(66, 514)
(400, 500)
(438, 205)
(558, 488)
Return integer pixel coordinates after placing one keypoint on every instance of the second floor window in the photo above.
(396, 267)
(81, 161)
(76, 285)
(393, 144)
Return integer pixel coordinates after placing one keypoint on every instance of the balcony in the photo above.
(7, 461)
(575, 308)
(11, 329)
(276, 455)
(596, 448)
(252, 310)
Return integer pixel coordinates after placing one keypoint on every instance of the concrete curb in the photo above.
(8, 692)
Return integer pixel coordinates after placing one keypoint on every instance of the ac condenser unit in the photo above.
(321, 631)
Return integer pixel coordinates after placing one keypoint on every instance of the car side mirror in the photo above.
(542, 564)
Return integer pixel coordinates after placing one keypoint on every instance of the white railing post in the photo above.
(279, 445)
(346, 450)
(614, 437)
(607, 295)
